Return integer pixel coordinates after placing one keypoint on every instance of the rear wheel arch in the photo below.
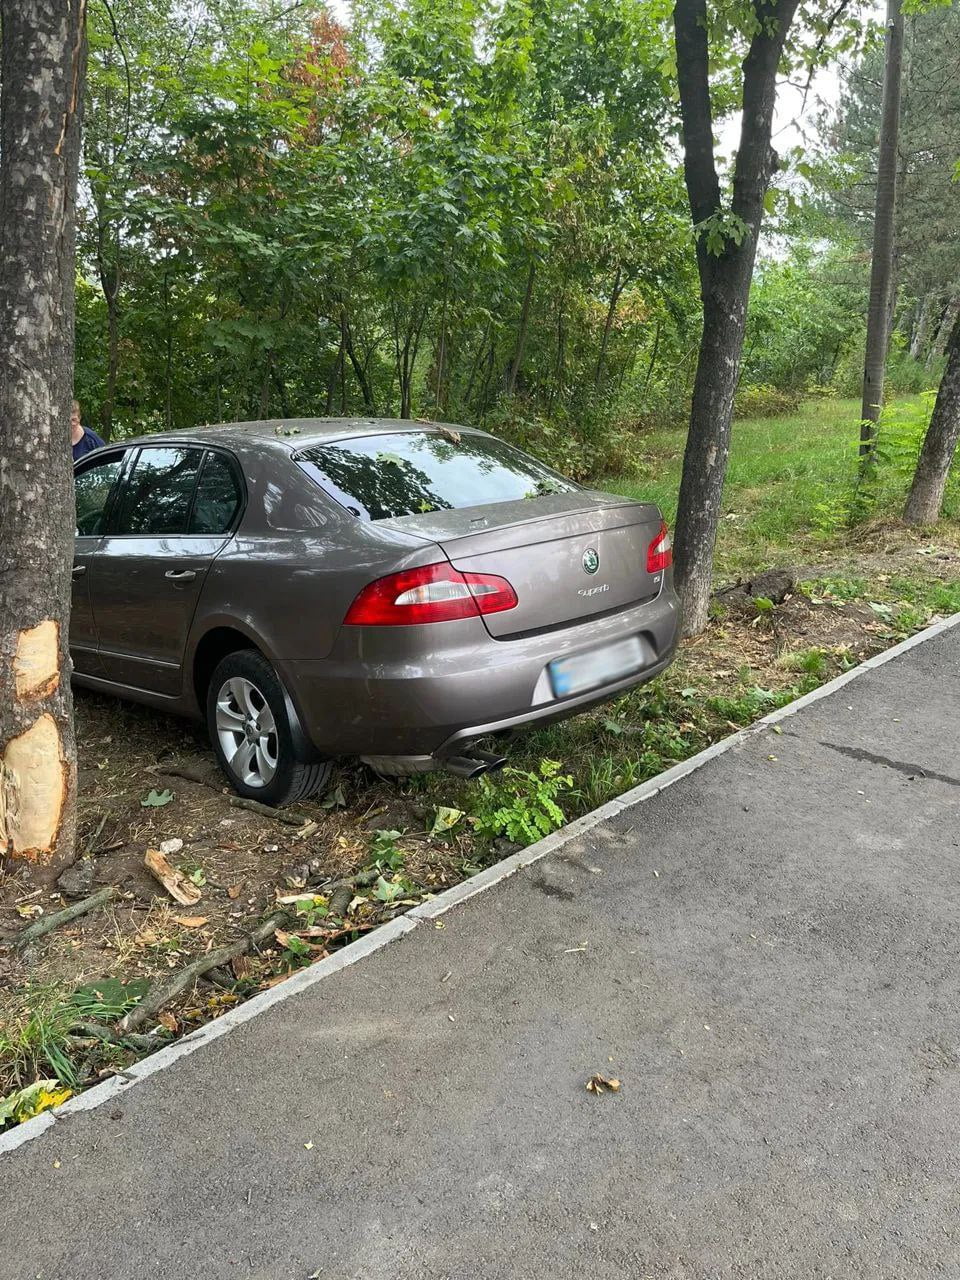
(211, 649)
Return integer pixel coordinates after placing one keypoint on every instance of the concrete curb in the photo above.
(440, 905)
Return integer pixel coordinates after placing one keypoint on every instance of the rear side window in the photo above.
(218, 496)
(406, 473)
(93, 486)
(157, 497)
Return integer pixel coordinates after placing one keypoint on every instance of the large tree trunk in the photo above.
(726, 251)
(939, 444)
(881, 270)
(42, 56)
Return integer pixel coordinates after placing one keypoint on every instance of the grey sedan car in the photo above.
(315, 588)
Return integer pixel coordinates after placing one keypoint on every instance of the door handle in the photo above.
(181, 575)
(79, 570)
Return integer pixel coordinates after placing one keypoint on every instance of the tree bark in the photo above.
(939, 444)
(884, 238)
(918, 339)
(944, 329)
(725, 276)
(42, 65)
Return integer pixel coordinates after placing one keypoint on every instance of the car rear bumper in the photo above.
(428, 692)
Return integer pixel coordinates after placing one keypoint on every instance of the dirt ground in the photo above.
(241, 866)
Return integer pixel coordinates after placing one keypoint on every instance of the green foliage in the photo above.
(522, 804)
(766, 401)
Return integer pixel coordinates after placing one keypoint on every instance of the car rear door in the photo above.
(177, 507)
(95, 487)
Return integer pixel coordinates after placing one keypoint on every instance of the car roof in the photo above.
(294, 434)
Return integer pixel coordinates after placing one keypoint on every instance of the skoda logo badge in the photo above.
(591, 560)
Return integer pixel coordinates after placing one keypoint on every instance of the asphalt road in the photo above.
(767, 956)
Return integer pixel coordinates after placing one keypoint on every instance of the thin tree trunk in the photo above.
(944, 329)
(109, 273)
(884, 238)
(514, 369)
(42, 64)
(918, 340)
(939, 444)
(615, 293)
(725, 275)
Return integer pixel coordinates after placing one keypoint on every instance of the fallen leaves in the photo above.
(192, 922)
(173, 880)
(599, 1084)
(156, 799)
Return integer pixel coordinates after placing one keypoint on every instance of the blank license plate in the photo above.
(597, 667)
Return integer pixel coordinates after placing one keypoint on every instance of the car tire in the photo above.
(249, 722)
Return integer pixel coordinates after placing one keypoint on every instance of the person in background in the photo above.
(82, 438)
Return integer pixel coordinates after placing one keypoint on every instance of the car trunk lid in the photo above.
(568, 556)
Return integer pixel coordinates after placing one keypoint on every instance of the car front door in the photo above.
(176, 508)
(95, 486)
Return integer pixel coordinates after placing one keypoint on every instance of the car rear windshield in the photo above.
(408, 473)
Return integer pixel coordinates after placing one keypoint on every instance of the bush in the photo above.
(766, 402)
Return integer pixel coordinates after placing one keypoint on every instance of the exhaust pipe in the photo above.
(473, 766)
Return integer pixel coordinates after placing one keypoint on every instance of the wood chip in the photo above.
(174, 881)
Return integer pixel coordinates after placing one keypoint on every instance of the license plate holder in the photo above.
(597, 667)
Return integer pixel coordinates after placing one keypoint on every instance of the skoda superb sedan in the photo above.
(316, 588)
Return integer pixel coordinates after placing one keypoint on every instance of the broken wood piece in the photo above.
(48, 923)
(174, 881)
(267, 811)
(164, 993)
(306, 831)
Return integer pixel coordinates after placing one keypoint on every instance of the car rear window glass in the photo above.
(156, 499)
(405, 473)
(218, 496)
(93, 486)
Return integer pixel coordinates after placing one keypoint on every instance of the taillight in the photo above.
(434, 593)
(660, 550)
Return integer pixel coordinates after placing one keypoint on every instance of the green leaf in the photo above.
(156, 799)
(445, 819)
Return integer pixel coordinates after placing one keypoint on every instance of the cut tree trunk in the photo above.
(42, 63)
(882, 265)
(939, 444)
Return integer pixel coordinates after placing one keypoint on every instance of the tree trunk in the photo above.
(708, 442)
(42, 63)
(615, 293)
(881, 270)
(939, 444)
(918, 339)
(944, 329)
(726, 252)
(514, 370)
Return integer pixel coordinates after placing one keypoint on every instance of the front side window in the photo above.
(218, 496)
(157, 498)
(405, 473)
(93, 486)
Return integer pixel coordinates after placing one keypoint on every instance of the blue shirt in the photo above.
(86, 444)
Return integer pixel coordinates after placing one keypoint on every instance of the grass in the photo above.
(790, 480)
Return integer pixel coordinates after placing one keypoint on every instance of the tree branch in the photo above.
(693, 77)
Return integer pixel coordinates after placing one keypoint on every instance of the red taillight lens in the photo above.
(660, 550)
(434, 593)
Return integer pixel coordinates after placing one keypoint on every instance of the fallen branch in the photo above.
(49, 923)
(164, 993)
(267, 811)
